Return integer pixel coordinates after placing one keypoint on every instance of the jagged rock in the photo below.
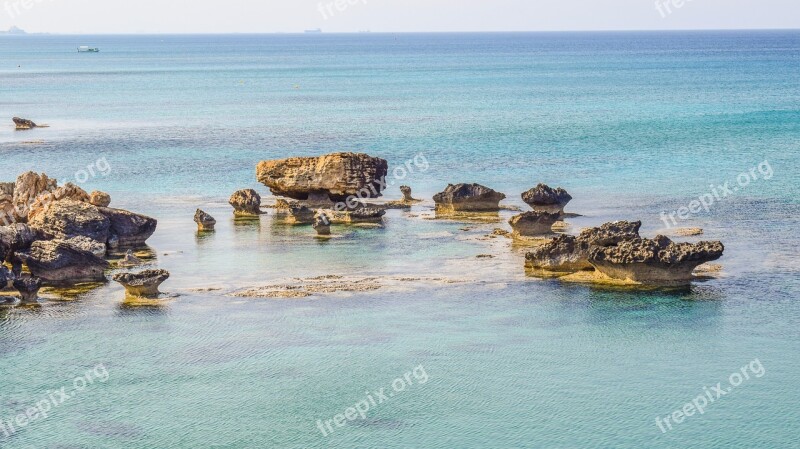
(27, 188)
(332, 177)
(127, 228)
(246, 203)
(468, 198)
(143, 284)
(15, 237)
(532, 224)
(67, 219)
(99, 199)
(567, 253)
(658, 260)
(130, 260)
(546, 199)
(56, 261)
(205, 222)
(407, 198)
(28, 288)
(300, 215)
(322, 224)
(6, 203)
(86, 244)
(68, 191)
(22, 123)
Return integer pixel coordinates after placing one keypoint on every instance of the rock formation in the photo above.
(27, 189)
(407, 198)
(127, 228)
(143, 284)
(28, 288)
(130, 260)
(56, 261)
(99, 199)
(322, 224)
(546, 199)
(22, 123)
(246, 203)
(658, 260)
(532, 224)
(66, 219)
(567, 253)
(300, 215)
(68, 191)
(360, 215)
(468, 198)
(205, 222)
(333, 177)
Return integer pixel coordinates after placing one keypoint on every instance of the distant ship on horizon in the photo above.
(314, 31)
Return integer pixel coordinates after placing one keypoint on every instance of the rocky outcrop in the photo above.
(205, 222)
(143, 284)
(67, 219)
(56, 261)
(546, 199)
(99, 199)
(567, 253)
(246, 203)
(28, 288)
(127, 228)
(658, 260)
(333, 177)
(468, 198)
(28, 187)
(322, 224)
(22, 123)
(68, 191)
(533, 224)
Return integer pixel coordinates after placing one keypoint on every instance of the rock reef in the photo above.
(468, 198)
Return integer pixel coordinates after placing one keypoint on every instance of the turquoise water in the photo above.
(632, 124)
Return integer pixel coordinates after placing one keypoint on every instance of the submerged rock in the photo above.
(246, 203)
(128, 228)
(143, 284)
(322, 224)
(468, 198)
(654, 260)
(568, 253)
(546, 199)
(99, 199)
(23, 123)
(56, 261)
(332, 177)
(205, 222)
(28, 288)
(532, 224)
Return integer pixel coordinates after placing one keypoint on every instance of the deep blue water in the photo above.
(632, 124)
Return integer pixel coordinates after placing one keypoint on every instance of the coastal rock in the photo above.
(99, 199)
(205, 222)
(127, 228)
(300, 215)
(546, 199)
(6, 203)
(67, 219)
(15, 237)
(28, 288)
(407, 198)
(27, 188)
(87, 244)
(68, 191)
(332, 177)
(468, 198)
(6, 277)
(322, 224)
(658, 260)
(568, 253)
(143, 284)
(56, 261)
(246, 203)
(22, 123)
(532, 224)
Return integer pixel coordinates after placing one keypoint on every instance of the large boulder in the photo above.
(246, 203)
(143, 284)
(23, 123)
(568, 253)
(468, 198)
(59, 262)
(67, 219)
(658, 260)
(533, 224)
(546, 199)
(127, 228)
(334, 177)
(28, 187)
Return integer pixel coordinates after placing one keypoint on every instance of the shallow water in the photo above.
(632, 124)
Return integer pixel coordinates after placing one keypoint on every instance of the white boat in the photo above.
(87, 49)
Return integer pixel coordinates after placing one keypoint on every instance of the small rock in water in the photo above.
(22, 123)
(546, 199)
(28, 288)
(468, 198)
(407, 198)
(205, 222)
(246, 203)
(688, 232)
(143, 284)
(322, 224)
(535, 223)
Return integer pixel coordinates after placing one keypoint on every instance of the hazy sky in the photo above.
(246, 16)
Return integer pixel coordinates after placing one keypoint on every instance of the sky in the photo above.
(268, 16)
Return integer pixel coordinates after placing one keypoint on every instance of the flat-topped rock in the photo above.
(658, 260)
(360, 215)
(533, 224)
(334, 177)
(546, 199)
(56, 261)
(143, 284)
(468, 198)
(246, 203)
